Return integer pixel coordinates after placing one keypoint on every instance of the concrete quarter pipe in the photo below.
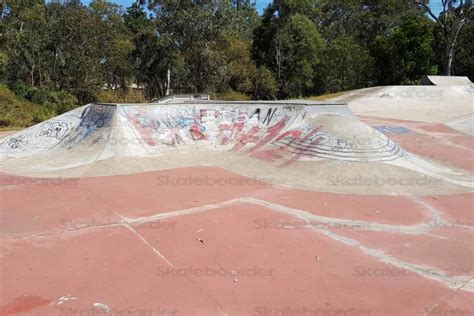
(236, 208)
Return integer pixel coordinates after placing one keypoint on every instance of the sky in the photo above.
(261, 4)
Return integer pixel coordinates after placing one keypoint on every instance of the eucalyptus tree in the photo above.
(452, 18)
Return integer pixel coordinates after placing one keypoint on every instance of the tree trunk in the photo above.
(448, 63)
(168, 82)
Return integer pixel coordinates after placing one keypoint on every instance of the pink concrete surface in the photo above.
(91, 246)
(435, 141)
(456, 208)
(452, 256)
(146, 194)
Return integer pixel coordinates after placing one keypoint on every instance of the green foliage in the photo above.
(3, 62)
(298, 46)
(18, 112)
(67, 47)
(232, 95)
(391, 38)
(55, 102)
(407, 53)
(288, 43)
(346, 65)
(26, 39)
(455, 14)
(237, 65)
(411, 44)
(265, 86)
(193, 32)
(464, 58)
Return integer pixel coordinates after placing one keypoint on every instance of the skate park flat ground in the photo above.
(255, 233)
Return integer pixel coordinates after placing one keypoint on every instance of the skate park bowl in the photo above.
(187, 206)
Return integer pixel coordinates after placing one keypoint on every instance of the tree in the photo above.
(463, 64)
(363, 20)
(64, 45)
(345, 66)
(264, 85)
(117, 43)
(190, 31)
(26, 39)
(407, 53)
(395, 34)
(412, 46)
(297, 47)
(237, 62)
(79, 45)
(454, 15)
(288, 43)
(152, 55)
(240, 72)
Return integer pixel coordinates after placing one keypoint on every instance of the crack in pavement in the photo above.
(309, 218)
(157, 252)
(433, 222)
(427, 272)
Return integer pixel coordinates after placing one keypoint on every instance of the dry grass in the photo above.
(119, 96)
(9, 129)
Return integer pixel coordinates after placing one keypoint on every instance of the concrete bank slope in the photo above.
(432, 104)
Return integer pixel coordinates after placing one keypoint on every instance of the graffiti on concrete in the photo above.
(269, 133)
(15, 144)
(165, 127)
(263, 133)
(224, 126)
(246, 130)
(92, 118)
(57, 129)
(298, 141)
(95, 117)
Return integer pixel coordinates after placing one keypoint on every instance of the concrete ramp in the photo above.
(289, 140)
(446, 81)
(434, 104)
(152, 129)
(102, 131)
(464, 124)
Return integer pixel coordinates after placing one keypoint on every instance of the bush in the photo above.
(265, 86)
(232, 95)
(51, 102)
(17, 112)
